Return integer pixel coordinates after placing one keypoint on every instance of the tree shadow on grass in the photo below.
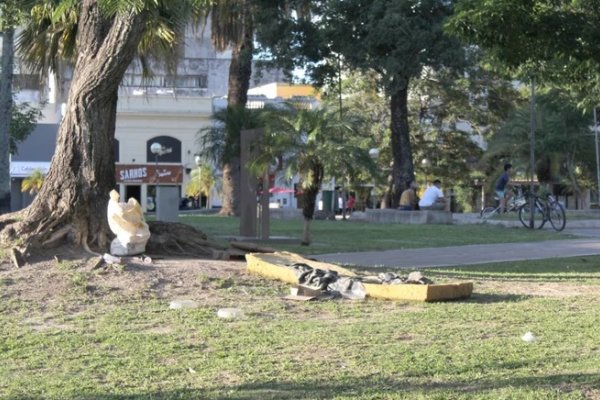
(367, 387)
(489, 298)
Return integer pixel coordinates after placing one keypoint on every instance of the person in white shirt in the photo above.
(433, 197)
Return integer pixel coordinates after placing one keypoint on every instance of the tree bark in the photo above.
(306, 232)
(310, 199)
(402, 169)
(74, 196)
(6, 116)
(240, 72)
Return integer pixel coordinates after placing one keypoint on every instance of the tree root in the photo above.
(16, 257)
(57, 236)
(180, 240)
(84, 243)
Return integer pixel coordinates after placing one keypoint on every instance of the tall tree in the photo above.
(358, 94)
(556, 42)
(397, 39)
(232, 28)
(518, 33)
(23, 121)
(72, 201)
(11, 12)
(563, 142)
(5, 116)
(549, 42)
(235, 25)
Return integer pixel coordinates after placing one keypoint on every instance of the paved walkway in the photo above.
(463, 255)
(480, 253)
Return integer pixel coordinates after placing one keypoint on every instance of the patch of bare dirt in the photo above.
(543, 289)
(61, 273)
(54, 276)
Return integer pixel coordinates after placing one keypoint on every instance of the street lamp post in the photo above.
(166, 197)
(158, 150)
(597, 156)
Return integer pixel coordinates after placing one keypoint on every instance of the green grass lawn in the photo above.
(346, 236)
(130, 345)
(89, 338)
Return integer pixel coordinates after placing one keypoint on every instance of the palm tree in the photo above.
(202, 182)
(220, 143)
(232, 28)
(33, 183)
(108, 34)
(312, 144)
(234, 23)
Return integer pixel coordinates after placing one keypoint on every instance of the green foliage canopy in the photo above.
(23, 122)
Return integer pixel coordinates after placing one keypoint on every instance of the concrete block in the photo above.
(393, 216)
(285, 213)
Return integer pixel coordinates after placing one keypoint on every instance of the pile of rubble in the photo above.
(320, 283)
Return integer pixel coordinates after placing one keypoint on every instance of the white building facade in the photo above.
(168, 109)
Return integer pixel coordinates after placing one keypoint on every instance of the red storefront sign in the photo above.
(149, 173)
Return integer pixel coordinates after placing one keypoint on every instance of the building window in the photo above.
(171, 82)
(168, 142)
(186, 81)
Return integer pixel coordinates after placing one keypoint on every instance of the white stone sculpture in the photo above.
(126, 220)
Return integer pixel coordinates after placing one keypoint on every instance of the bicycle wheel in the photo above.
(488, 212)
(538, 216)
(557, 217)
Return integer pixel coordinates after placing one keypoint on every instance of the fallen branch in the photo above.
(252, 247)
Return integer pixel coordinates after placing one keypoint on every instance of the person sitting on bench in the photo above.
(409, 199)
(433, 197)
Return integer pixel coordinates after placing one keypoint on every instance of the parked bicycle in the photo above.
(513, 204)
(545, 209)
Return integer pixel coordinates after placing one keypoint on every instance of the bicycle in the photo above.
(513, 204)
(545, 209)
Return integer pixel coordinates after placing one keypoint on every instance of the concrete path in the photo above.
(463, 255)
(589, 230)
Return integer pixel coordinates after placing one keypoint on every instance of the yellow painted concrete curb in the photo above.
(274, 266)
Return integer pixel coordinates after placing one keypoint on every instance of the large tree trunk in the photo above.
(309, 195)
(403, 169)
(306, 232)
(5, 117)
(240, 72)
(72, 202)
